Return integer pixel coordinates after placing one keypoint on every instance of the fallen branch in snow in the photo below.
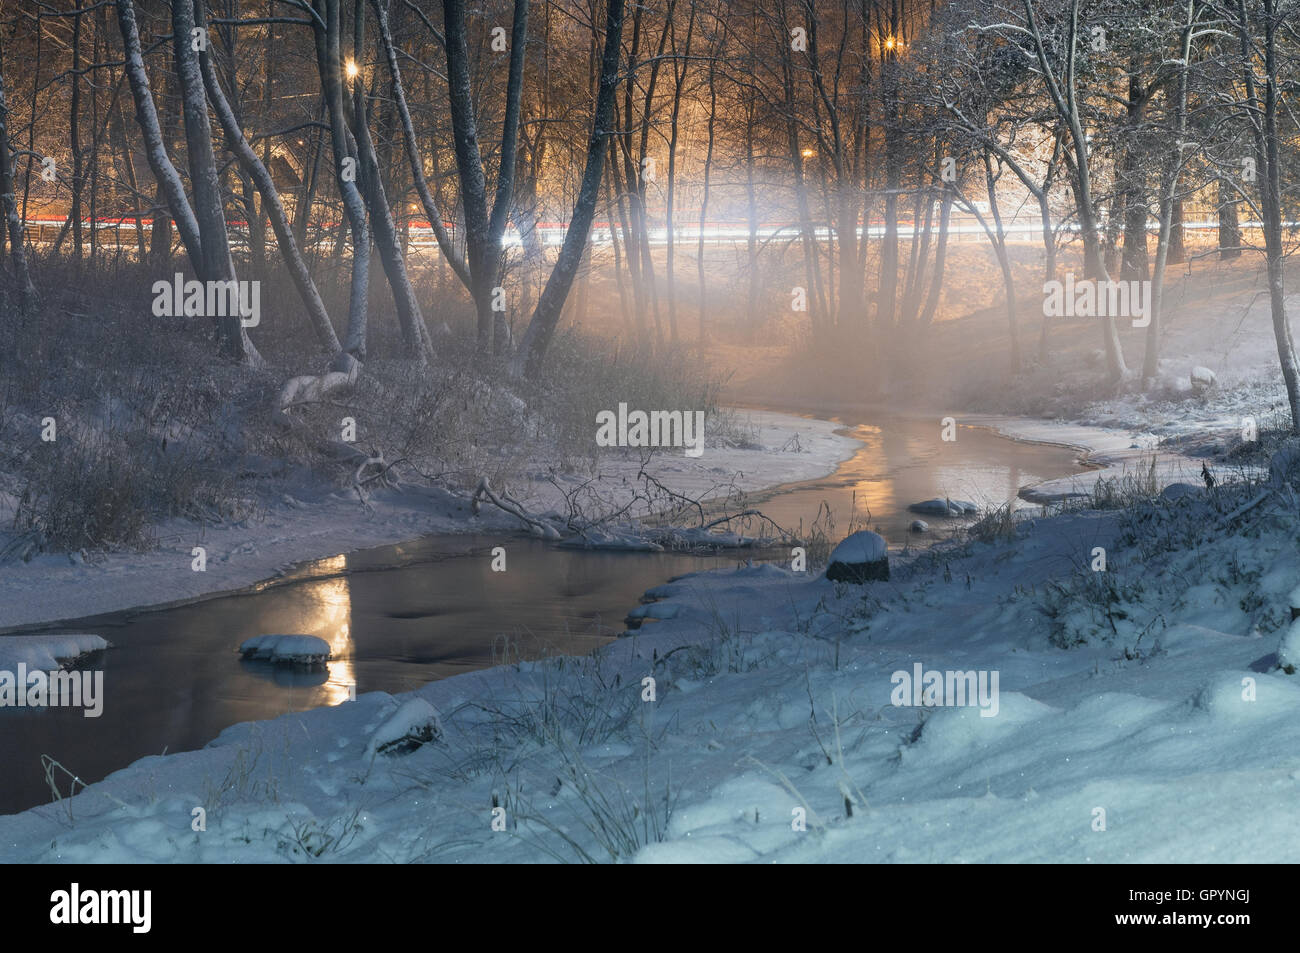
(537, 526)
(375, 458)
(1247, 507)
(785, 533)
(679, 499)
(609, 516)
(314, 388)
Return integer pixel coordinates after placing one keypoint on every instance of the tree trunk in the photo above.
(541, 328)
(1229, 229)
(17, 240)
(329, 64)
(1177, 235)
(273, 207)
(209, 212)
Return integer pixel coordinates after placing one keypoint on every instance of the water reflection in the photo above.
(332, 621)
(400, 616)
(904, 461)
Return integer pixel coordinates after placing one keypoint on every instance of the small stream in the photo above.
(400, 616)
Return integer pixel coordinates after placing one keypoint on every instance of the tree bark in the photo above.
(17, 239)
(271, 205)
(541, 328)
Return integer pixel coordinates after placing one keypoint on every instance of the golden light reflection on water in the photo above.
(871, 494)
(330, 618)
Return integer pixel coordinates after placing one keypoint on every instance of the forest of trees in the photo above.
(861, 127)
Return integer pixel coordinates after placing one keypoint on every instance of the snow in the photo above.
(1168, 739)
(1114, 452)
(1181, 491)
(1284, 465)
(415, 722)
(1167, 717)
(863, 546)
(1288, 652)
(44, 652)
(287, 649)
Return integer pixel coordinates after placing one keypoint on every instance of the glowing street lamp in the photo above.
(351, 69)
(808, 153)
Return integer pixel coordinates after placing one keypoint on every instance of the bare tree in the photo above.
(14, 224)
(541, 329)
(1260, 57)
(272, 206)
(484, 229)
(203, 227)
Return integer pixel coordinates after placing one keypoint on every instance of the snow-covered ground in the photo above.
(1134, 713)
(1113, 451)
(315, 525)
(1135, 709)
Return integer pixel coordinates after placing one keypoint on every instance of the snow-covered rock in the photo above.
(287, 649)
(1180, 491)
(945, 507)
(1202, 378)
(415, 723)
(860, 557)
(920, 526)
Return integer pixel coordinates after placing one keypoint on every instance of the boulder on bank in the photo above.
(861, 557)
(1202, 378)
(1175, 492)
(415, 723)
(920, 526)
(944, 507)
(306, 650)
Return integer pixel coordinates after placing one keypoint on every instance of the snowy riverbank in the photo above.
(315, 525)
(1136, 715)
(1112, 451)
(1163, 733)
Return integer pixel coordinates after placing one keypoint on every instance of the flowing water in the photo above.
(399, 616)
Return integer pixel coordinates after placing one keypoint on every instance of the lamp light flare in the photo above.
(351, 69)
